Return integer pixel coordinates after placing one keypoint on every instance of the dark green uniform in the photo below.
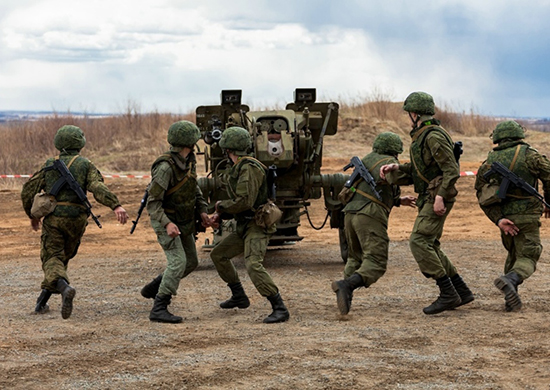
(366, 223)
(63, 229)
(247, 189)
(525, 248)
(174, 196)
(431, 157)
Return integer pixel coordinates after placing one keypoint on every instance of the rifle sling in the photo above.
(180, 184)
(416, 136)
(373, 199)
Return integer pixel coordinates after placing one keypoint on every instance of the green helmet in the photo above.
(183, 133)
(69, 137)
(236, 139)
(420, 103)
(388, 143)
(508, 129)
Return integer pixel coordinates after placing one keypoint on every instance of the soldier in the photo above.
(63, 228)
(434, 171)
(366, 222)
(518, 215)
(247, 189)
(174, 200)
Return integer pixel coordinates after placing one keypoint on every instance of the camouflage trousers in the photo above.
(425, 245)
(253, 242)
(181, 258)
(59, 243)
(524, 250)
(368, 244)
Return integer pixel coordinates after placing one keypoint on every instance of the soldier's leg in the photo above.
(354, 246)
(374, 239)
(221, 256)
(255, 247)
(176, 260)
(52, 253)
(528, 248)
(190, 250)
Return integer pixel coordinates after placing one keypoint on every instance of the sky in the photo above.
(491, 57)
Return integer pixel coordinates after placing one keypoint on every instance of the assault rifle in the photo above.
(68, 179)
(361, 171)
(141, 207)
(271, 185)
(510, 177)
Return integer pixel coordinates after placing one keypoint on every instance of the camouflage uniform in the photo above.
(247, 190)
(524, 249)
(434, 171)
(174, 197)
(179, 207)
(63, 229)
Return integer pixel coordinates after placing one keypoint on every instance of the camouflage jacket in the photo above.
(530, 165)
(84, 172)
(390, 193)
(432, 155)
(246, 187)
(174, 194)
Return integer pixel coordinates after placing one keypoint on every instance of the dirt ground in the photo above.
(386, 342)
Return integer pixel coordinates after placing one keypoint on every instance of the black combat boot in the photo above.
(67, 296)
(448, 297)
(280, 312)
(160, 312)
(151, 289)
(238, 297)
(42, 302)
(466, 295)
(344, 291)
(508, 284)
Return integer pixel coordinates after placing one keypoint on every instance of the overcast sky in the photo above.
(492, 56)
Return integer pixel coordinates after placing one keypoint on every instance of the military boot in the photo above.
(67, 296)
(41, 303)
(508, 284)
(238, 297)
(280, 312)
(448, 297)
(344, 291)
(160, 312)
(466, 295)
(151, 289)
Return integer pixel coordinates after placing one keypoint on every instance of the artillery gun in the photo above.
(290, 143)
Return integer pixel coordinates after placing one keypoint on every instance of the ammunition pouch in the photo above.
(345, 195)
(488, 195)
(42, 205)
(268, 215)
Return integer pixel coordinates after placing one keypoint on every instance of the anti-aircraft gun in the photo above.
(289, 141)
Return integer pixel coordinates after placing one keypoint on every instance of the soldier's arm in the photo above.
(97, 187)
(494, 211)
(159, 184)
(539, 165)
(248, 187)
(442, 153)
(32, 187)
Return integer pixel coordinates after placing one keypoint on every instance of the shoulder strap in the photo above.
(243, 158)
(181, 182)
(515, 157)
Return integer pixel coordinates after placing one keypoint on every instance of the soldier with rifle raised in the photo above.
(57, 193)
(369, 201)
(506, 189)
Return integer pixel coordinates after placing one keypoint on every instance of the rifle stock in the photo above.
(141, 207)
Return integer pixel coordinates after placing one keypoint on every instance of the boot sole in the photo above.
(513, 301)
(240, 306)
(67, 306)
(341, 301)
(42, 310)
(179, 321)
(275, 321)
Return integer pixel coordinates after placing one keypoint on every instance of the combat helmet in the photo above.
(183, 134)
(507, 129)
(69, 137)
(236, 139)
(420, 103)
(388, 143)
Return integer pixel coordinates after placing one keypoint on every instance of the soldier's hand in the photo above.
(121, 215)
(35, 224)
(508, 227)
(215, 221)
(408, 201)
(206, 221)
(439, 206)
(172, 230)
(386, 169)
